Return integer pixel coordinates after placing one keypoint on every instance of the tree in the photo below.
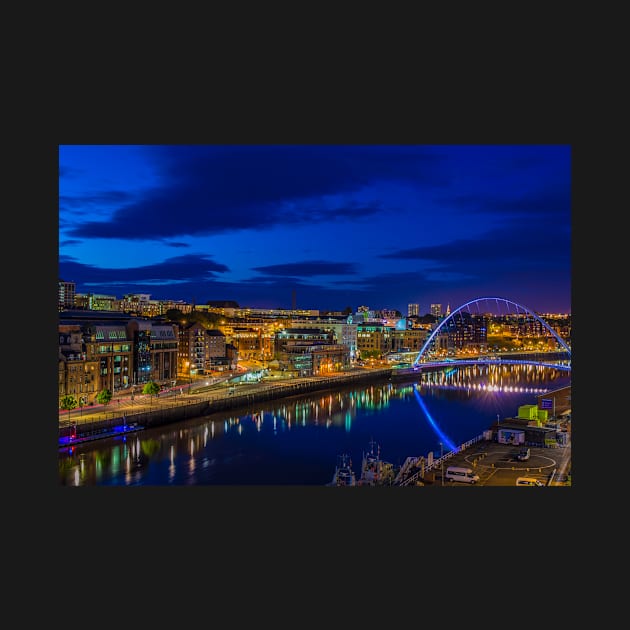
(104, 397)
(151, 388)
(207, 320)
(68, 403)
(174, 315)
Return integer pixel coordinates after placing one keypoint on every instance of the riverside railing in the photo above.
(412, 462)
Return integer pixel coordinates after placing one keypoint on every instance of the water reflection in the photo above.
(295, 441)
(443, 438)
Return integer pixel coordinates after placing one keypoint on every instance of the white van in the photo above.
(454, 473)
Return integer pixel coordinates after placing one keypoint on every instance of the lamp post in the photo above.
(442, 461)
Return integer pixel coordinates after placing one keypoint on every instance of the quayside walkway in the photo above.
(178, 404)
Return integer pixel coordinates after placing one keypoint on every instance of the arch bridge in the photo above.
(468, 328)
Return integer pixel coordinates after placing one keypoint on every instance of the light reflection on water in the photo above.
(297, 441)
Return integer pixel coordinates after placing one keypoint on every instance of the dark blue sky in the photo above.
(339, 225)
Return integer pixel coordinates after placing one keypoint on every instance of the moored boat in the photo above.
(374, 470)
(96, 434)
(344, 475)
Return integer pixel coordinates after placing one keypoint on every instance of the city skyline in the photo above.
(317, 226)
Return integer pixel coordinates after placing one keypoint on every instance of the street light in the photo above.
(442, 461)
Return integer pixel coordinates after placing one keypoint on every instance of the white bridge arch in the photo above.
(477, 301)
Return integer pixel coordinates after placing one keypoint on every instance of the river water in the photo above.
(297, 441)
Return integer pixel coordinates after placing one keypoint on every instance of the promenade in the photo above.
(187, 400)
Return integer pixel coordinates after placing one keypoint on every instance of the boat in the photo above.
(344, 475)
(374, 470)
(68, 441)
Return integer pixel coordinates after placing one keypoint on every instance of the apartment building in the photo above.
(104, 350)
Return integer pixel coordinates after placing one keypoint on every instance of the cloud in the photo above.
(518, 244)
(188, 268)
(212, 190)
(69, 242)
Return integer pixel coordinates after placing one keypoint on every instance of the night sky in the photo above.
(333, 225)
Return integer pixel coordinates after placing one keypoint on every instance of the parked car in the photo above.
(523, 455)
(528, 481)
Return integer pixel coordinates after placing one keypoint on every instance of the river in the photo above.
(297, 441)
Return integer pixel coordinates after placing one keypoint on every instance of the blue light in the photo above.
(443, 437)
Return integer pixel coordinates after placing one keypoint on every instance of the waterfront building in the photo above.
(94, 354)
(123, 350)
(201, 350)
(407, 340)
(78, 375)
(373, 338)
(163, 349)
(252, 341)
(343, 329)
(310, 352)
